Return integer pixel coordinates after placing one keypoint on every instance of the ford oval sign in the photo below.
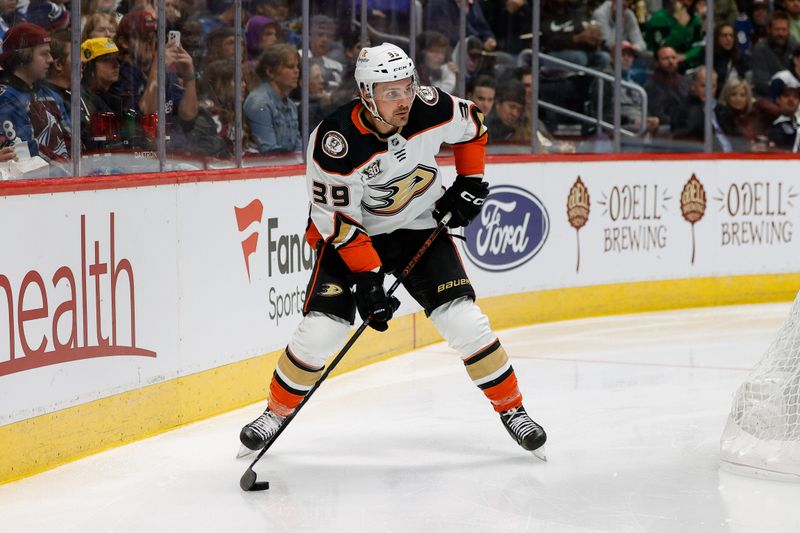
(511, 229)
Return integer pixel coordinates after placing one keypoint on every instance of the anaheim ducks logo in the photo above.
(330, 289)
(392, 197)
(428, 94)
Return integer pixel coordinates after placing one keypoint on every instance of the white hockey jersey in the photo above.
(361, 183)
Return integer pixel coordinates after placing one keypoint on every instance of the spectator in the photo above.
(725, 12)
(443, 16)
(667, 89)
(319, 98)
(99, 25)
(568, 34)
(509, 21)
(25, 113)
(433, 50)
(49, 15)
(792, 8)
(728, 60)
(221, 44)
(59, 73)
(738, 119)
(504, 122)
(351, 47)
(103, 6)
(680, 27)
(174, 14)
(271, 116)
(320, 44)
(100, 127)
(789, 76)
(479, 61)
(261, 33)
(220, 14)
(688, 120)
(387, 16)
(482, 92)
(783, 133)
(9, 16)
(217, 101)
(605, 15)
(278, 10)
(772, 54)
(630, 100)
(760, 17)
(137, 89)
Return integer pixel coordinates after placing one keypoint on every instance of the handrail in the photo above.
(603, 76)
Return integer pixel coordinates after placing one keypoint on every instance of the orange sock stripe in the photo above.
(505, 395)
(282, 401)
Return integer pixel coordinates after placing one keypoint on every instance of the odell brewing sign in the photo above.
(510, 230)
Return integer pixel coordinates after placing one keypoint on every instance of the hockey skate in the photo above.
(525, 431)
(257, 433)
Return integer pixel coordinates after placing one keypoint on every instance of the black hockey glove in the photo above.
(372, 302)
(463, 199)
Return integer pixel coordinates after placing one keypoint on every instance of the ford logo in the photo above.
(511, 229)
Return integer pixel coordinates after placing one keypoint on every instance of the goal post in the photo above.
(762, 434)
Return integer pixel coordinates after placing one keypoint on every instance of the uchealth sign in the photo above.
(52, 330)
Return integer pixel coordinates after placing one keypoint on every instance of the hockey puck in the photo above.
(248, 482)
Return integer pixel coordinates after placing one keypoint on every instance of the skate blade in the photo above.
(244, 451)
(540, 454)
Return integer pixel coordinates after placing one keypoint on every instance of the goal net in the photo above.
(762, 435)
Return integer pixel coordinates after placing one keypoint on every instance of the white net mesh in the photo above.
(762, 436)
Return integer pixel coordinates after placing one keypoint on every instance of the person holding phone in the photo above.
(137, 87)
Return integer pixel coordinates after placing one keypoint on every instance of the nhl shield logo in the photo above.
(428, 94)
(334, 144)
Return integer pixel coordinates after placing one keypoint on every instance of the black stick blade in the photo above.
(249, 483)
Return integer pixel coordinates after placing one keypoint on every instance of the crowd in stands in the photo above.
(756, 71)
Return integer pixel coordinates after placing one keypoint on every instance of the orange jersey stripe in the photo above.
(471, 156)
(359, 254)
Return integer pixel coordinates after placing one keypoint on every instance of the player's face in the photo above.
(394, 99)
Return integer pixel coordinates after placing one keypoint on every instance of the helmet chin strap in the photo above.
(373, 110)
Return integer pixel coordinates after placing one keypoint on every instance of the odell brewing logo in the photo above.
(693, 204)
(578, 211)
(512, 228)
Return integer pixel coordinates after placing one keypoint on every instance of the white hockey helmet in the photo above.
(382, 63)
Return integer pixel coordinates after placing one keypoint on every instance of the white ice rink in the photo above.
(633, 405)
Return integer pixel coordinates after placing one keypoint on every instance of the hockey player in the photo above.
(376, 194)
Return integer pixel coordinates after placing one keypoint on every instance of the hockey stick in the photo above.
(249, 482)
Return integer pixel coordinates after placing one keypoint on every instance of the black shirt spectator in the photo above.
(688, 120)
(772, 54)
(509, 20)
(666, 89)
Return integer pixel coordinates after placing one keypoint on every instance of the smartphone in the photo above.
(174, 38)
